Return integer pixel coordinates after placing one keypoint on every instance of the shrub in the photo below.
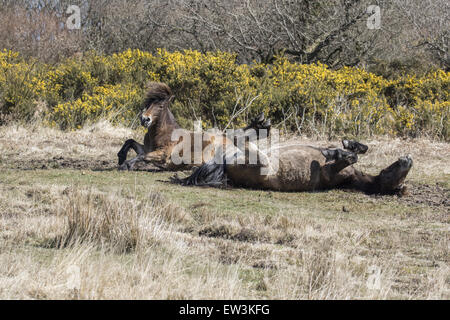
(310, 99)
(20, 86)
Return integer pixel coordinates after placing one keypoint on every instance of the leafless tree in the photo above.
(428, 27)
(332, 31)
(36, 31)
(116, 25)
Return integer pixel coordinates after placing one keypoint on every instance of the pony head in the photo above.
(391, 178)
(159, 97)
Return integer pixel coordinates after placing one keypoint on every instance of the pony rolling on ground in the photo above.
(161, 124)
(302, 168)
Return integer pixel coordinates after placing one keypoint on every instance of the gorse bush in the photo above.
(310, 99)
(21, 84)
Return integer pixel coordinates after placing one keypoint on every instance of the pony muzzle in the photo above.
(406, 162)
(146, 121)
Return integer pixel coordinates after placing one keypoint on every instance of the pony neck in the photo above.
(167, 119)
(365, 182)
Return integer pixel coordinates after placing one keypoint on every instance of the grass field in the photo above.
(66, 211)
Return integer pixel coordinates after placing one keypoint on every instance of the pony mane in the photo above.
(157, 92)
(209, 174)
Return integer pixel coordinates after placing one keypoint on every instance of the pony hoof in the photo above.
(259, 118)
(348, 157)
(124, 167)
(355, 146)
(122, 157)
(267, 124)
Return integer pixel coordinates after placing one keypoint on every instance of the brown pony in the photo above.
(159, 143)
(302, 168)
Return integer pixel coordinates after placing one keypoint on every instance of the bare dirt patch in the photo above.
(61, 162)
(428, 195)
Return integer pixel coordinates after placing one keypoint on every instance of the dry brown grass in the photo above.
(94, 145)
(125, 248)
(131, 236)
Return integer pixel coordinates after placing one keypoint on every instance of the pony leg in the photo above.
(129, 144)
(331, 173)
(355, 146)
(259, 123)
(156, 157)
(331, 169)
(335, 154)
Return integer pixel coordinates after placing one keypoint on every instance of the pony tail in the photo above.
(157, 92)
(209, 174)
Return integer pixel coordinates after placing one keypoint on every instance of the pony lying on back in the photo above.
(301, 168)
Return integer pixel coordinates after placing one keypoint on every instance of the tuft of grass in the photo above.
(106, 220)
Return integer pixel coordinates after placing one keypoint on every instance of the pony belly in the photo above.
(299, 169)
(251, 177)
(246, 176)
